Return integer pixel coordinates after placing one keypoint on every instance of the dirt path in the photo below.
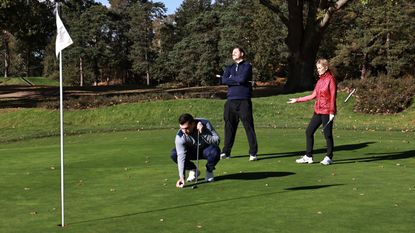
(24, 96)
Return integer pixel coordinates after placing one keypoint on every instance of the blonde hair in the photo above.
(324, 62)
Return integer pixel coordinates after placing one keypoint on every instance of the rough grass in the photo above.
(35, 80)
(269, 112)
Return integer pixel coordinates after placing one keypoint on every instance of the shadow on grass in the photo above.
(310, 187)
(348, 147)
(252, 175)
(242, 176)
(204, 203)
(380, 157)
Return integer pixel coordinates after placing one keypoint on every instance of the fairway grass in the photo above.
(125, 182)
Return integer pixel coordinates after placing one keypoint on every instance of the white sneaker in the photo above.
(224, 156)
(305, 159)
(193, 174)
(209, 176)
(253, 158)
(326, 161)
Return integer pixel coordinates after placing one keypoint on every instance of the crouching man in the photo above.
(193, 131)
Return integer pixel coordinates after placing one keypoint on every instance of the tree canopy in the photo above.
(136, 42)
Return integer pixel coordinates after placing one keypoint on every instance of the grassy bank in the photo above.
(269, 112)
(34, 80)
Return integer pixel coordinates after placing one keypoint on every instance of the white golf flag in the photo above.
(63, 39)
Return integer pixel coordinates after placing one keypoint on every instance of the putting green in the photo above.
(125, 182)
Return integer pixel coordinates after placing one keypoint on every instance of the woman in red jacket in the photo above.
(324, 112)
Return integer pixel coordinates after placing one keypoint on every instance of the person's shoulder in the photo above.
(331, 76)
(203, 120)
(229, 66)
(179, 133)
(246, 63)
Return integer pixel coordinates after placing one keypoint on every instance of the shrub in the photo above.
(382, 94)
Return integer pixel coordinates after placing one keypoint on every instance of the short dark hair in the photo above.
(240, 50)
(186, 118)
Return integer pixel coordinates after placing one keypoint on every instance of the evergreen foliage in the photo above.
(135, 42)
(378, 41)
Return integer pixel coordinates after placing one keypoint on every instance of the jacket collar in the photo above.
(326, 74)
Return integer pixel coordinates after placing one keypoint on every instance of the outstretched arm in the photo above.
(303, 99)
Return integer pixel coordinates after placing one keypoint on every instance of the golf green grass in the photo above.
(125, 182)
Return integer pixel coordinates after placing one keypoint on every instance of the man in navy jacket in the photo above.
(238, 106)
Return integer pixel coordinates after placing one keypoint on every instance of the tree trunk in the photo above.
(147, 69)
(304, 37)
(6, 60)
(303, 43)
(81, 72)
(6, 54)
(27, 63)
(300, 75)
(363, 71)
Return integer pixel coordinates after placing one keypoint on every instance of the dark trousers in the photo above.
(236, 110)
(210, 153)
(315, 122)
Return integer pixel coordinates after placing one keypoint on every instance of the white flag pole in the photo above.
(61, 126)
(63, 40)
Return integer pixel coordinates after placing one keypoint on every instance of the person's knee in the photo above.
(248, 123)
(309, 132)
(212, 152)
(329, 137)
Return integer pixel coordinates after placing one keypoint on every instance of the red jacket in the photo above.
(325, 94)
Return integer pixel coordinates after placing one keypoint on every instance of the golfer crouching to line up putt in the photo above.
(193, 131)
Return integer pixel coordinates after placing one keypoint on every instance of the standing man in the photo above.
(191, 132)
(238, 106)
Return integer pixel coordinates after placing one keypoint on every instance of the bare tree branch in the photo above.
(331, 10)
(276, 10)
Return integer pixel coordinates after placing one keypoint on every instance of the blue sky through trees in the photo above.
(171, 5)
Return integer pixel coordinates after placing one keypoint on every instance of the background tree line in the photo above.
(135, 42)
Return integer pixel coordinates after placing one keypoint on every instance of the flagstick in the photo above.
(61, 123)
(63, 40)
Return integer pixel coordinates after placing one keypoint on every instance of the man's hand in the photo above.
(199, 127)
(331, 117)
(291, 101)
(180, 183)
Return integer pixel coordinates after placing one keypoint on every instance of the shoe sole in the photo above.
(325, 164)
(304, 162)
